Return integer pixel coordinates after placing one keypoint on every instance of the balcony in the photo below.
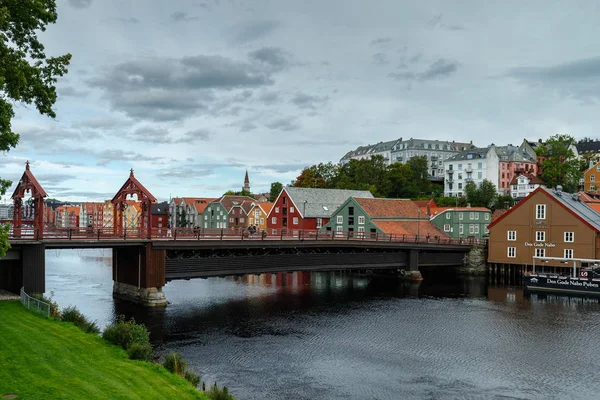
(467, 180)
(469, 169)
(450, 180)
(450, 171)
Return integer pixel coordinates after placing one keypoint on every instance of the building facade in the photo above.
(259, 214)
(523, 185)
(462, 222)
(159, 217)
(297, 209)
(591, 178)
(513, 161)
(547, 223)
(472, 165)
(91, 215)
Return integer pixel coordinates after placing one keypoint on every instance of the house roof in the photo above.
(498, 213)
(28, 177)
(321, 203)
(266, 207)
(474, 153)
(132, 182)
(390, 208)
(412, 228)
(160, 208)
(588, 147)
(425, 203)
(533, 179)
(230, 201)
(568, 201)
(589, 197)
(201, 204)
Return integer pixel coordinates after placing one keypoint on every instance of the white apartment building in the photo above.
(472, 165)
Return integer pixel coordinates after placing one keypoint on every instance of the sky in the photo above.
(191, 94)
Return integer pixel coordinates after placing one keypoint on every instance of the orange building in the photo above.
(258, 215)
(67, 216)
(591, 178)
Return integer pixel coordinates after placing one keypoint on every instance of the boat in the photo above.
(568, 275)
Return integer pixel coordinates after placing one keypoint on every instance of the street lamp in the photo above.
(303, 216)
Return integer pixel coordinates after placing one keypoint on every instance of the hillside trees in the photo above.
(559, 165)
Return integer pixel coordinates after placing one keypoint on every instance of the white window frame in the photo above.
(262, 221)
(471, 229)
(568, 253)
(361, 219)
(340, 219)
(477, 216)
(487, 217)
(295, 221)
(540, 211)
(569, 237)
(592, 178)
(339, 229)
(540, 252)
(273, 220)
(319, 223)
(511, 236)
(277, 210)
(291, 210)
(471, 215)
(460, 216)
(447, 215)
(461, 229)
(446, 227)
(251, 220)
(540, 236)
(476, 229)
(511, 252)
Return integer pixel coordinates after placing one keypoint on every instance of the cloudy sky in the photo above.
(190, 94)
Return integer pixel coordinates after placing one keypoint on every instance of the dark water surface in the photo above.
(339, 336)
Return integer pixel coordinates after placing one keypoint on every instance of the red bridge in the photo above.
(145, 259)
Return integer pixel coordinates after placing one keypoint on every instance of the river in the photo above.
(341, 336)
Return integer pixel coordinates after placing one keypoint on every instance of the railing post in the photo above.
(281, 234)
(125, 234)
(317, 235)
(221, 234)
(69, 233)
(98, 234)
(391, 235)
(348, 236)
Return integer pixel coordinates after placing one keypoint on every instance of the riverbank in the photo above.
(48, 359)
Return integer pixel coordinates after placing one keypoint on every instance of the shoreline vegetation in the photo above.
(66, 358)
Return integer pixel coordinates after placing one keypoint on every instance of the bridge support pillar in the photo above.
(413, 273)
(139, 275)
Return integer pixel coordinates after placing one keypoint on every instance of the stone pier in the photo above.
(139, 275)
(413, 273)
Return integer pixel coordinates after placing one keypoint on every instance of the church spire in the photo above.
(246, 183)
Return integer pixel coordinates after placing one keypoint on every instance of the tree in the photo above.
(420, 174)
(317, 176)
(276, 188)
(26, 75)
(483, 195)
(503, 202)
(559, 165)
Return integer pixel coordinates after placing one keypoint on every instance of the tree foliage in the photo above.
(482, 195)
(26, 75)
(559, 167)
(316, 176)
(276, 188)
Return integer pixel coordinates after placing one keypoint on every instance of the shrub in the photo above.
(72, 314)
(174, 363)
(192, 378)
(126, 334)
(139, 351)
(219, 394)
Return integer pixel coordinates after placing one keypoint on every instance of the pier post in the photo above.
(139, 275)
(413, 273)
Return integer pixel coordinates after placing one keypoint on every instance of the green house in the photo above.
(214, 216)
(388, 216)
(462, 222)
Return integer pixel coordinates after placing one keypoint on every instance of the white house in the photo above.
(473, 165)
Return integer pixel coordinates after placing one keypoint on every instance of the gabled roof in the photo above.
(569, 202)
(589, 197)
(320, 203)
(588, 147)
(201, 204)
(390, 208)
(266, 207)
(473, 153)
(133, 182)
(160, 208)
(411, 228)
(28, 177)
(533, 179)
(229, 201)
(498, 213)
(425, 203)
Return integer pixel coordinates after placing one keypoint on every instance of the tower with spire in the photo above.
(246, 183)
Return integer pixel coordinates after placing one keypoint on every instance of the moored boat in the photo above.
(571, 276)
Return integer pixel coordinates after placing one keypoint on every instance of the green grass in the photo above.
(49, 359)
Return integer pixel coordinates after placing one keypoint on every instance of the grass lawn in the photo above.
(49, 359)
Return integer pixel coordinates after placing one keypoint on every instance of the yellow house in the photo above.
(258, 215)
(131, 215)
(591, 178)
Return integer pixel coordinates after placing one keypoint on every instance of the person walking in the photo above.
(168, 229)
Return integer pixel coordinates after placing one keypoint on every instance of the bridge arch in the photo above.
(28, 184)
(133, 187)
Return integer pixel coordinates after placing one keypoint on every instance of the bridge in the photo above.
(146, 258)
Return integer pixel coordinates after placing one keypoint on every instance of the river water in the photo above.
(340, 336)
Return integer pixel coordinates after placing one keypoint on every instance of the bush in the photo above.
(192, 378)
(141, 352)
(219, 394)
(175, 364)
(72, 314)
(126, 334)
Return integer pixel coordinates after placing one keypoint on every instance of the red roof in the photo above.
(411, 228)
(28, 178)
(201, 204)
(533, 179)
(498, 213)
(378, 208)
(425, 203)
(266, 207)
(589, 197)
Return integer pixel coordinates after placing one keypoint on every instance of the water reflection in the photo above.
(343, 336)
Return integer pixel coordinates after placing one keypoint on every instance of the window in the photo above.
(540, 236)
(361, 219)
(291, 210)
(447, 215)
(277, 209)
(512, 235)
(568, 253)
(460, 216)
(479, 175)
(460, 229)
(231, 220)
(471, 215)
(339, 229)
(592, 178)
(569, 237)
(540, 252)
(512, 252)
(471, 229)
(242, 220)
(476, 228)
(319, 223)
(459, 166)
(598, 168)
(295, 221)
(340, 219)
(486, 216)
(361, 228)
(446, 227)
(479, 165)
(251, 221)
(284, 200)
(350, 210)
(274, 220)
(540, 211)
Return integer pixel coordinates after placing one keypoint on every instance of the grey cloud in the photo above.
(183, 173)
(441, 68)
(274, 57)
(577, 79)
(127, 21)
(455, 27)
(80, 3)
(70, 91)
(252, 30)
(283, 124)
(151, 134)
(269, 97)
(196, 135)
(51, 180)
(89, 196)
(101, 123)
(46, 139)
(280, 168)
(104, 157)
(380, 58)
(436, 23)
(381, 40)
(306, 101)
(181, 16)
